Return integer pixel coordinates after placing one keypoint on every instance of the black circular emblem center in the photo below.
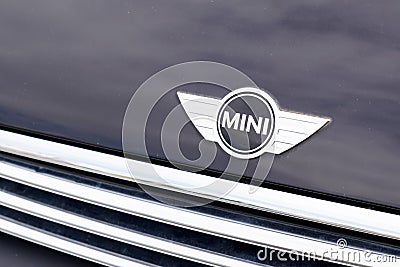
(246, 123)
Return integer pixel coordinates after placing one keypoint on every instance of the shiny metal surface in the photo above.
(292, 127)
(125, 236)
(155, 211)
(321, 211)
(69, 69)
(63, 245)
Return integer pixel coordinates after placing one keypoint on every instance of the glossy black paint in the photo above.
(15, 252)
(69, 68)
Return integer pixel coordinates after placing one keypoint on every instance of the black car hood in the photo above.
(69, 69)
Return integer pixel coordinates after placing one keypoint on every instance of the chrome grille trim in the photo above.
(116, 233)
(288, 204)
(196, 221)
(67, 246)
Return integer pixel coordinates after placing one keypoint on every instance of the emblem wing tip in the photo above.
(295, 128)
(202, 111)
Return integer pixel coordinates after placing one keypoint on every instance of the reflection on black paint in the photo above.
(69, 68)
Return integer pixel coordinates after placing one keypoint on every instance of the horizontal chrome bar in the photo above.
(117, 233)
(175, 216)
(64, 245)
(288, 204)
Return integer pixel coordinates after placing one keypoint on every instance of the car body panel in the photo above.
(68, 69)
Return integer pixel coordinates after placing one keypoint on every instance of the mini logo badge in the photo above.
(242, 124)
(248, 122)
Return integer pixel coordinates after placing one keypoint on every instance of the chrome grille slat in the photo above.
(140, 226)
(72, 197)
(64, 245)
(288, 204)
(131, 254)
(119, 234)
(159, 212)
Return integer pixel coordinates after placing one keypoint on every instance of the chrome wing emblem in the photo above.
(290, 128)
